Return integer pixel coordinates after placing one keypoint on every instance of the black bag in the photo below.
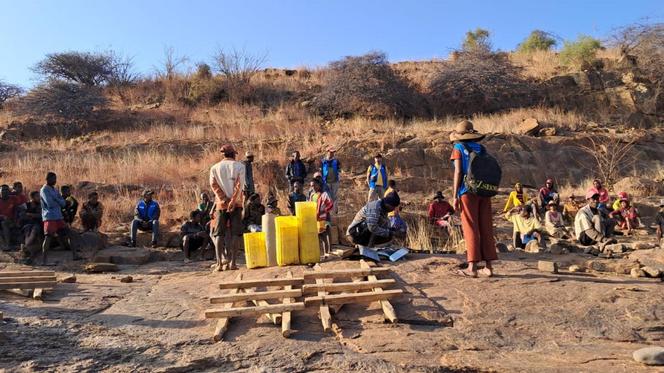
(483, 174)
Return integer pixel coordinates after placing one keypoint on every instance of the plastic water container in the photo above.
(287, 240)
(254, 250)
(308, 232)
(270, 238)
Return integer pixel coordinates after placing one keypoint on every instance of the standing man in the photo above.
(295, 170)
(476, 214)
(330, 170)
(249, 187)
(227, 179)
(146, 218)
(52, 204)
(376, 178)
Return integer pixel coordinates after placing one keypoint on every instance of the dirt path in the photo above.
(522, 320)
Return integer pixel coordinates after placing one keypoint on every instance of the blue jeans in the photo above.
(146, 226)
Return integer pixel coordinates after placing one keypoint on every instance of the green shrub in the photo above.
(579, 53)
(477, 40)
(538, 40)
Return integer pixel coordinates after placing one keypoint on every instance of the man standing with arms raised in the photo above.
(227, 179)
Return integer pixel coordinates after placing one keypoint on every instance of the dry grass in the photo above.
(422, 236)
(540, 65)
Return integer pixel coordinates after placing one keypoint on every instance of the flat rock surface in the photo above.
(520, 320)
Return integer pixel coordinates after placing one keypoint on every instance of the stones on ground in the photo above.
(641, 246)
(547, 266)
(557, 249)
(652, 272)
(127, 279)
(528, 127)
(501, 247)
(637, 272)
(101, 267)
(575, 268)
(68, 279)
(650, 355)
(532, 247)
(548, 131)
(614, 248)
(123, 255)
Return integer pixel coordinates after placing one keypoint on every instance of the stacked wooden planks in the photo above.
(27, 280)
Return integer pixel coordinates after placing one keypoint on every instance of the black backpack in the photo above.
(483, 174)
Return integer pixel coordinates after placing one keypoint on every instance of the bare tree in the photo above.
(612, 157)
(61, 99)
(8, 91)
(91, 69)
(238, 65)
(643, 44)
(171, 63)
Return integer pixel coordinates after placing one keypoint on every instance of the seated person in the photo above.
(193, 236)
(570, 208)
(206, 208)
(603, 194)
(146, 218)
(371, 226)
(8, 215)
(253, 212)
(31, 226)
(626, 216)
(553, 222)
(659, 222)
(91, 213)
(20, 197)
(272, 205)
(590, 225)
(440, 211)
(516, 198)
(69, 211)
(616, 204)
(547, 194)
(526, 227)
(295, 196)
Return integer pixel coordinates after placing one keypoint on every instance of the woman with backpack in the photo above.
(476, 179)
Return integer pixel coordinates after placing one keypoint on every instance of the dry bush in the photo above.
(366, 86)
(479, 81)
(540, 65)
(90, 69)
(64, 100)
(237, 67)
(644, 45)
(8, 91)
(612, 157)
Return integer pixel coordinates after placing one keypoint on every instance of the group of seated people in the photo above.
(593, 223)
(30, 222)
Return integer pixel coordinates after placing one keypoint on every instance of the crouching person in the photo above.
(91, 213)
(371, 225)
(590, 227)
(52, 204)
(146, 218)
(193, 236)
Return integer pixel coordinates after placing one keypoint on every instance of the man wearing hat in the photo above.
(590, 227)
(476, 214)
(249, 188)
(659, 222)
(377, 178)
(440, 211)
(331, 171)
(146, 218)
(371, 225)
(227, 179)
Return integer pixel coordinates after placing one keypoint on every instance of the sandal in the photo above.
(485, 272)
(464, 273)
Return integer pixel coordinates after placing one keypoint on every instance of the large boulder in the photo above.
(529, 127)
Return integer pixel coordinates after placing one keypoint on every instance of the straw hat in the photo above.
(464, 131)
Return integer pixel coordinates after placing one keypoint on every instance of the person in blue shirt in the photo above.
(377, 178)
(52, 204)
(146, 218)
(476, 214)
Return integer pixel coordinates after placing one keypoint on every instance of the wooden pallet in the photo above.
(23, 281)
(365, 287)
(241, 292)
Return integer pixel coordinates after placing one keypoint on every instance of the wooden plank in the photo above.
(38, 294)
(286, 316)
(388, 310)
(351, 298)
(257, 295)
(274, 317)
(13, 280)
(26, 274)
(346, 286)
(345, 273)
(261, 283)
(28, 285)
(324, 310)
(258, 310)
(222, 323)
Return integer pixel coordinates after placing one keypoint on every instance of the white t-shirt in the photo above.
(226, 173)
(583, 221)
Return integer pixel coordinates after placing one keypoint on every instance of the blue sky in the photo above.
(292, 32)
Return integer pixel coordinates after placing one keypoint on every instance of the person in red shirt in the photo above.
(7, 214)
(440, 212)
(19, 195)
(603, 194)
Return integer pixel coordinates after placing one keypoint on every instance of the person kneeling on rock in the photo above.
(371, 226)
(526, 227)
(590, 226)
(193, 236)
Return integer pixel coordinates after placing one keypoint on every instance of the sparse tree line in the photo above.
(75, 85)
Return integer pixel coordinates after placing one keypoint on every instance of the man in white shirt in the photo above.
(590, 227)
(227, 179)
